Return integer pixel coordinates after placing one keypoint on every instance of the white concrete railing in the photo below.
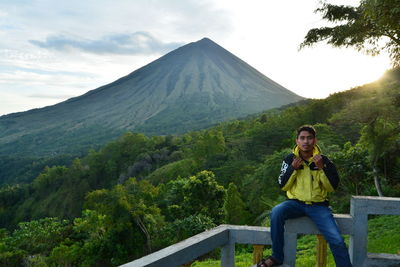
(226, 236)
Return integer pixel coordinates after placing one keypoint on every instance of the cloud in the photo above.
(51, 96)
(14, 102)
(138, 43)
(4, 69)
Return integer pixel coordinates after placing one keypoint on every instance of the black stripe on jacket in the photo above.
(331, 172)
(286, 170)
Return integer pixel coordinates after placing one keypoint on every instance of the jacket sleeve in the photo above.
(286, 171)
(331, 173)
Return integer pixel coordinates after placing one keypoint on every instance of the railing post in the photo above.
(257, 253)
(359, 238)
(290, 249)
(321, 251)
(228, 255)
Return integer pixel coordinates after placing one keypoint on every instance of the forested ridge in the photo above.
(138, 194)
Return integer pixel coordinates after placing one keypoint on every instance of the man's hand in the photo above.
(297, 163)
(319, 161)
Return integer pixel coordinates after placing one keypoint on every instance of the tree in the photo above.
(196, 195)
(234, 207)
(262, 186)
(209, 143)
(372, 27)
(50, 179)
(354, 169)
(128, 205)
(184, 228)
(203, 195)
(379, 136)
(377, 116)
(32, 241)
(40, 236)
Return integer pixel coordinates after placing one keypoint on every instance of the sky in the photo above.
(54, 50)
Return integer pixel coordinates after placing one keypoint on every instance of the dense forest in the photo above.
(138, 194)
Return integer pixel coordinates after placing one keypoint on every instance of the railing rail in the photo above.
(360, 208)
(354, 224)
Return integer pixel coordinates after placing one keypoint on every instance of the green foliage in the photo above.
(49, 177)
(181, 229)
(234, 207)
(355, 169)
(115, 157)
(118, 225)
(50, 193)
(208, 144)
(196, 195)
(59, 191)
(128, 205)
(65, 255)
(263, 184)
(328, 138)
(37, 237)
(23, 169)
(269, 137)
(231, 171)
(168, 172)
(204, 196)
(372, 27)
(380, 136)
(12, 258)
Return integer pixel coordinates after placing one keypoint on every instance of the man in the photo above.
(307, 176)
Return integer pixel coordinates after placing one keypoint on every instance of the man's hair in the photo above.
(307, 128)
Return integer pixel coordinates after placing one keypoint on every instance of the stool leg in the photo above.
(257, 253)
(321, 251)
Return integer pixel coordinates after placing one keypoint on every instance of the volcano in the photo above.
(190, 88)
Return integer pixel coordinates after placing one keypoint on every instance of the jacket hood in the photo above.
(316, 150)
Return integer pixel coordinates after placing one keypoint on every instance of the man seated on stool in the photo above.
(307, 176)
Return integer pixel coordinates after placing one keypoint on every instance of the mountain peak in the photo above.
(202, 43)
(205, 39)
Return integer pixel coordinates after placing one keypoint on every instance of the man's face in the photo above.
(306, 141)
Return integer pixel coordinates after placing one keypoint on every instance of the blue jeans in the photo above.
(323, 219)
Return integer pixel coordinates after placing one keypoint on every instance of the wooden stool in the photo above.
(321, 251)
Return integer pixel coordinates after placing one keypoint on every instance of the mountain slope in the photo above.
(189, 88)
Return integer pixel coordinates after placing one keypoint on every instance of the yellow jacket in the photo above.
(308, 183)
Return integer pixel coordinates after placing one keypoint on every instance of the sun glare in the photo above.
(369, 69)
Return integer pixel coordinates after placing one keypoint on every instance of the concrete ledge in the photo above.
(379, 205)
(185, 251)
(305, 225)
(382, 259)
(250, 234)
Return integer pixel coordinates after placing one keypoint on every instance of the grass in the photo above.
(384, 234)
(383, 237)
